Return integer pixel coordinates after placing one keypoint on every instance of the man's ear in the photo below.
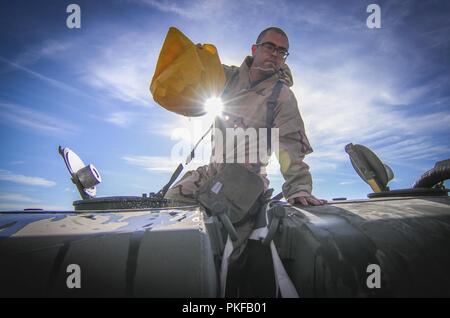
(254, 47)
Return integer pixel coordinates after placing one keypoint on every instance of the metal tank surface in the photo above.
(151, 247)
(327, 250)
(139, 253)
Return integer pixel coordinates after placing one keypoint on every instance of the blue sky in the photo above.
(87, 89)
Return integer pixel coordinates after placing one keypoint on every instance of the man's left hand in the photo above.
(305, 198)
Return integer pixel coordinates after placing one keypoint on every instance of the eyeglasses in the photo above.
(271, 47)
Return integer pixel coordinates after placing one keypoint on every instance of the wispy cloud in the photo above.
(56, 83)
(122, 119)
(194, 10)
(50, 48)
(16, 197)
(346, 182)
(340, 106)
(123, 67)
(256, 12)
(35, 120)
(152, 163)
(6, 175)
(16, 162)
(22, 206)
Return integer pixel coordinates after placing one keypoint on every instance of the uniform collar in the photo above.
(284, 74)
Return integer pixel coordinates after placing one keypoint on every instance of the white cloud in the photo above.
(123, 67)
(51, 48)
(195, 10)
(122, 119)
(343, 106)
(126, 82)
(273, 168)
(182, 128)
(6, 175)
(35, 120)
(346, 182)
(164, 163)
(152, 163)
(22, 206)
(16, 162)
(53, 82)
(16, 197)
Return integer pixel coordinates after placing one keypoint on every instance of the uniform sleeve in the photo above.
(293, 146)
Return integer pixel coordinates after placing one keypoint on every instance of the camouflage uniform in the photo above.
(245, 105)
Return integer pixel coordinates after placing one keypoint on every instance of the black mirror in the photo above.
(369, 167)
(85, 177)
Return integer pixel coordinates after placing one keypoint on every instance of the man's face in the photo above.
(263, 58)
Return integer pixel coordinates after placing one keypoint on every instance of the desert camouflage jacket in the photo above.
(245, 105)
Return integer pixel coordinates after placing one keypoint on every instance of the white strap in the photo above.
(284, 283)
(224, 266)
(282, 280)
(259, 234)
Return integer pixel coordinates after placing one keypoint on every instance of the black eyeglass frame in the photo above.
(275, 48)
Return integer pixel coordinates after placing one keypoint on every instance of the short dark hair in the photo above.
(274, 29)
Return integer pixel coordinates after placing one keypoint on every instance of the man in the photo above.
(247, 104)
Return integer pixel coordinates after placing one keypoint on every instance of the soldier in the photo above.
(257, 95)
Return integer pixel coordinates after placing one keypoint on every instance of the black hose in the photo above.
(439, 173)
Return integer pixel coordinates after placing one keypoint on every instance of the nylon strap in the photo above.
(271, 104)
